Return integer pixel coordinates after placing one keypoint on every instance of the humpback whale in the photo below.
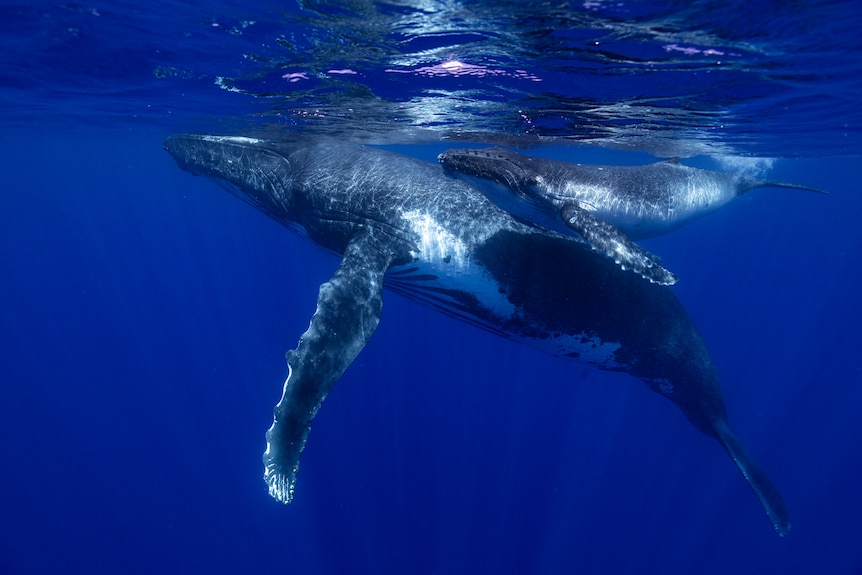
(608, 206)
(401, 223)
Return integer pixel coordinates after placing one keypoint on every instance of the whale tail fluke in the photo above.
(763, 488)
(750, 184)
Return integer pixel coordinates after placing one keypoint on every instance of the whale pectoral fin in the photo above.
(348, 311)
(609, 240)
(763, 488)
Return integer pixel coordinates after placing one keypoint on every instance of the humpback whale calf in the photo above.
(399, 222)
(607, 206)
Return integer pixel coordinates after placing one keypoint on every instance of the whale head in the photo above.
(497, 165)
(510, 180)
(259, 172)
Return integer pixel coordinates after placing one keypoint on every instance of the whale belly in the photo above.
(469, 293)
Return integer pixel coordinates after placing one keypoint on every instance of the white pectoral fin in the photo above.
(609, 240)
(348, 311)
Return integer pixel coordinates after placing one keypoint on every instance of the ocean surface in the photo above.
(145, 313)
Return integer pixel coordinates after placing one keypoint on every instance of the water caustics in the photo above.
(675, 79)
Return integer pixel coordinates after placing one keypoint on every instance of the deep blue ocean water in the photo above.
(145, 313)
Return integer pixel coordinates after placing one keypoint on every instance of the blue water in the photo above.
(145, 313)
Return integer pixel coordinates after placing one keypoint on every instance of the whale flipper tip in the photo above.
(610, 241)
(280, 462)
(280, 486)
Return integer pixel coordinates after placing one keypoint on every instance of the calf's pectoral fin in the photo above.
(612, 242)
(348, 311)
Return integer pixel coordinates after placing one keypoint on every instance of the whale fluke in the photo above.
(766, 493)
(754, 183)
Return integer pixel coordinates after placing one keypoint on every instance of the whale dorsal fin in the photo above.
(609, 240)
(348, 311)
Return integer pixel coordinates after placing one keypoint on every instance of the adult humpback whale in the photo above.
(605, 205)
(400, 222)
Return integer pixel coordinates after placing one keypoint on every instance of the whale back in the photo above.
(642, 201)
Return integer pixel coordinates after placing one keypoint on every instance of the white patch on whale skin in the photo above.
(472, 280)
(589, 349)
(281, 486)
(663, 385)
(436, 244)
(605, 203)
(231, 139)
(445, 256)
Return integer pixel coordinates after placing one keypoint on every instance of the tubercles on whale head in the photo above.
(216, 156)
(495, 164)
(255, 170)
